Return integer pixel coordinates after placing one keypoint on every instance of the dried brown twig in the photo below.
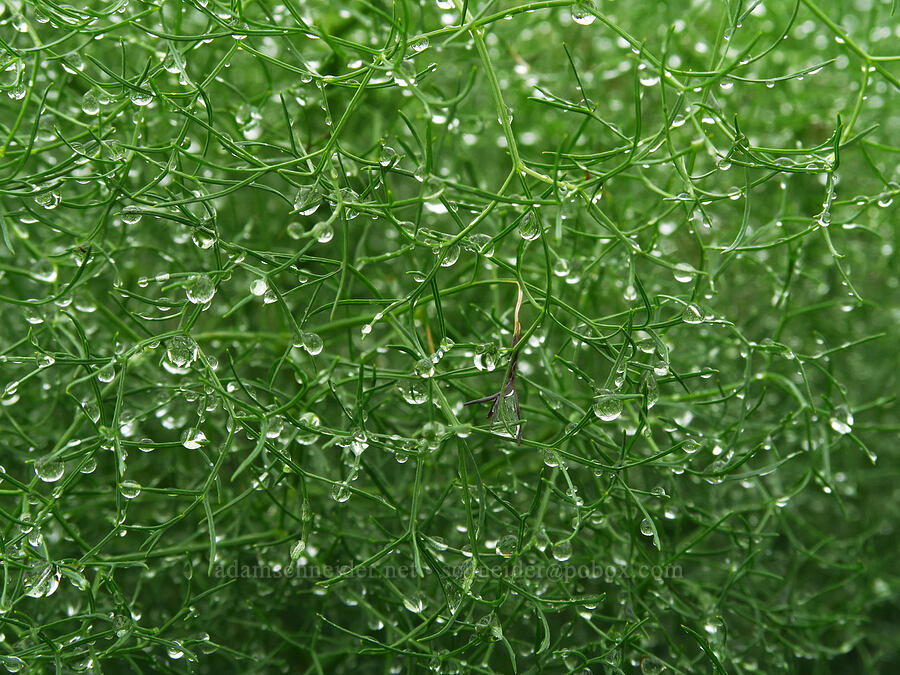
(509, 381)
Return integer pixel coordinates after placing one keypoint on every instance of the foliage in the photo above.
(256, 257)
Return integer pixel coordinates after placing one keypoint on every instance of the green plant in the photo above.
(256, 257)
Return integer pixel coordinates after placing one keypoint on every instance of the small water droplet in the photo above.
(691, 446)
(297, 550)
(841, 419)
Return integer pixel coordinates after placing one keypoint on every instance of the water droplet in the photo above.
(451, 255)
(49, 470)
(425, 367)
(841, 419)
(646, 527)
(201, 239)
(131, 214)
(311, 421)
(388, 156)
(660, 367)
(296, 230)
(414, 392)
(652, 666)
(193, 438)
(258, 287)
(340, 492)
(606, 406)
(684, 273)
(13, 664)
(529, 228)
(507, 545)
(483, 244)
(322, 232)
(130, 489)
(181, 350)
(691, 446)
(41, 580)
(415, 602)
(651, 389)
(582, 15)
(106, 374)
(562, 550)
(141, 98)
(44, 270)
(48, 199)
(201, 289)
(89, 104)
(692, 314)
(359, 443)
(312, 343)
(307, 200)
(561, 267)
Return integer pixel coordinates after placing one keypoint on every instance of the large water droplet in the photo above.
(200, 290)
(259, 287)
(41, 580)
(506, 546)
(414, 392)
(582, 15)
(562, 550)
(307, 200)
(49, 470)
(130, 489)
(606, 406)
(89, 104)
(692, 314)
(340, 492)
(312, 343)
(425, 367)
(181, 350)
(529, 228)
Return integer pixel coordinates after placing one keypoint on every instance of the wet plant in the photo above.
(453, 337)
